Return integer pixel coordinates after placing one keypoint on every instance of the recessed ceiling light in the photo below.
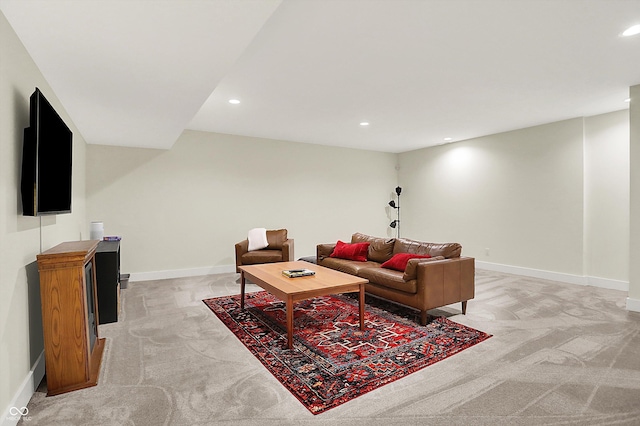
(631, 31)
(364, 123)
(448, 139)
(234, 101)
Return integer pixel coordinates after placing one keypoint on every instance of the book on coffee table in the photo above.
(295, 273)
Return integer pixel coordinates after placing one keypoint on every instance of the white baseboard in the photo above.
(633, 304)
(555, 276)
(180, 273)
(16, 409)
(608, 283)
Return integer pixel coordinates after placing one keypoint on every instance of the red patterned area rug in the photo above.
(332, 361)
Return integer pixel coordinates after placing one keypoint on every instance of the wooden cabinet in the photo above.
(108, 280)
(72, 347)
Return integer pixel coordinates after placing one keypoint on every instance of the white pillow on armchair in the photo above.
(257, 239)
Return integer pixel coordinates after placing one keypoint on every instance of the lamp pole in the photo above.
(392, 203)
(398, 234)
(398, 191)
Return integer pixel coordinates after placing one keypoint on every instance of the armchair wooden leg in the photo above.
(423, 317)
(464, 307)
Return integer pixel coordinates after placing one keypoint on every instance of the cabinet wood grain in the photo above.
(72, 347)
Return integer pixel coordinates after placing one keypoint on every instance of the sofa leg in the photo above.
(423, 317)
(464, 307)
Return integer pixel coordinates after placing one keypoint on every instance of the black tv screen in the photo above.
(46, 161)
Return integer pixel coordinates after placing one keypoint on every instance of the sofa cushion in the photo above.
(261, 256)
(324, 250)
(388, 278)
(352, 267)
(448, 250)
(411, 271)
(276, 238)
(356, 251)
(399, 260)
(380, 249)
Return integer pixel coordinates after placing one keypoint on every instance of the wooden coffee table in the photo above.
(326, 281)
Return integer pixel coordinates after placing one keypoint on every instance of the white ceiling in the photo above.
(138, 72)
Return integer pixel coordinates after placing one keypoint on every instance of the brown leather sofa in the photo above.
(425, 284)
(280, 249)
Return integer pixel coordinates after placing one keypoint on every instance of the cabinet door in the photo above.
(64, 322)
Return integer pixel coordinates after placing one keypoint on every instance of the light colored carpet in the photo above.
(561, 354)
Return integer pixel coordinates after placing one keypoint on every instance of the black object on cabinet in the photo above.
(108, 280)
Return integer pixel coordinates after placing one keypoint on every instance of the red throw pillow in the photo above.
(399, 261)
(355, 251)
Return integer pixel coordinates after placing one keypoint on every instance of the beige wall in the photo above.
(606, 182)
(634, 251)
(186, 208)
(548, 198)
(551, 198)
(20, 237)
(517, 194)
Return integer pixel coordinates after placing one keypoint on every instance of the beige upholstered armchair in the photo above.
(280, 249)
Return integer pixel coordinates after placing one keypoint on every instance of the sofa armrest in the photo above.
(411, 271)
(324, 250)
(446, 281)
(287, 250)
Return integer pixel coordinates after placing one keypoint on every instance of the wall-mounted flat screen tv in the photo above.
(46, 161)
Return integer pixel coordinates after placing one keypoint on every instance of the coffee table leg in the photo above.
(242, 290)
(361, 307)
(289, 322)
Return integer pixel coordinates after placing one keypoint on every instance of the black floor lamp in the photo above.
(396, 223)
